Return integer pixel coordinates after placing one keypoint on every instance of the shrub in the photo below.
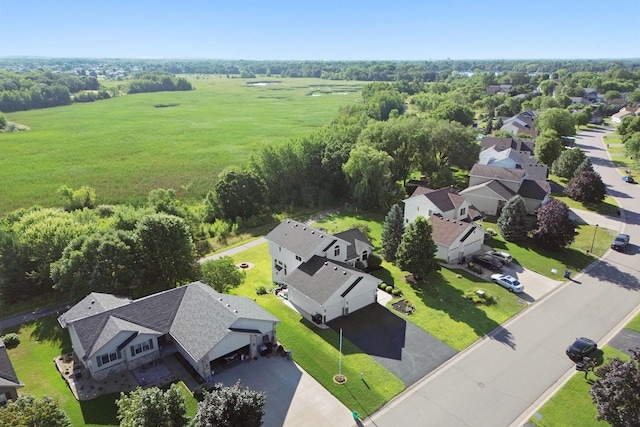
(11, 340)
(261, 290)
(491, 232)
(382, 286)
(479, 298)
(389, 288)
(374, 262)
(396, 292)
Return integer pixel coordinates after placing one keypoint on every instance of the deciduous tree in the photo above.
(239, 194)
(554, 229)
(616, 391)
(512, 223)
(230, 407)
(417, 250)
(392, 232)
(152, 407)
(557, 119)
(368, 173)
(29, 411)
(567, 163)
(83, 197)
(222, 274)
(548, 147)
(632, 147)
(587, 187)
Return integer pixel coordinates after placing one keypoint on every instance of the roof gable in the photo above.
(497, 172)
(443, 198)
(446, 231)
(93, 303)
(8, 377)
(299, 238)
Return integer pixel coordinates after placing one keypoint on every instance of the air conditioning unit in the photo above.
(317, 318)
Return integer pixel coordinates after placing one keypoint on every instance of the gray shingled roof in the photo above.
(446, 231)
(536, 190)
(195, 315)
(357, 242)
(297, 237)
(320, 278)
(444, 199)
(8, 377)
(497, 172)
(495, 186)
(93, 303)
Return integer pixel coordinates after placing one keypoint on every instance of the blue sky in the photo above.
(321, 29)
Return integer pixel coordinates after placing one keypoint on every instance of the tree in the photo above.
(167, 252)
(587, 187)
(230, 407)
(567, 162)
(239, 194)
(451, 111)
(417, 250)
(222, 274)
(554, 229)
(512, 223)
(3, 121)
(368, 172)
(29, 411)
(105, 261)
(632, 147)
(152, 407)
(629, 126)
(615, 392)
(584, 166)
(165, 200)
(392, 232)
(84, 197)
(382, 103)
(557, 119)
(489, 127)
(548, 147)
(583, 117)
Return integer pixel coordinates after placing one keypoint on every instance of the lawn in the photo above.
(544, 262)
(126, 146)
(571, 405)
(41, 342)
(317, 350)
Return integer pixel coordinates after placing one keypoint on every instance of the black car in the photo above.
(487, 261)
(581, 348)
(620, 243)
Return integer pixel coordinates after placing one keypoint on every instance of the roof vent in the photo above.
(288, 221)
(335, 268)
(326, 263)
(321, 236)
(344, 272)
(312, 231)
(220, 299)
(304, 228)
(235, 311)
(228, 305)
(93, 301)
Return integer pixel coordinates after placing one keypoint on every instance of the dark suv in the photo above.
(487, 261)
(620, 243)
(581, 348)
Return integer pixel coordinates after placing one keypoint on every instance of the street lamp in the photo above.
(594, 237)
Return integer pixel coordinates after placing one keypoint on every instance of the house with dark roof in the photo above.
(452, 217)
(111, 334)
(522, 145)
(9, 383)
(513, 159)
(490, 187)
(322, 272)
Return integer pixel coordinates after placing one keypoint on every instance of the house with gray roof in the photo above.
(9, 383)
(522, 145)
(323, 273)
(490, 187)
(513, 159)
(111, 334)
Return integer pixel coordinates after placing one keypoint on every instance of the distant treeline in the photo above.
(42, 89)
(158, 83)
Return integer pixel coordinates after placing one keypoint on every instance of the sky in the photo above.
(321, 29)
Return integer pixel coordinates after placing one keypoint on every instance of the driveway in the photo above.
(294, 398)
(407, 351)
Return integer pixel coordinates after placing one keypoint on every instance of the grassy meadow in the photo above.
(126, 146)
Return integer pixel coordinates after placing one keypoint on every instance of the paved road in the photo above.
(504, 377)
(13, 321)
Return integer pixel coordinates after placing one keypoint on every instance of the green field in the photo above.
(124, 147)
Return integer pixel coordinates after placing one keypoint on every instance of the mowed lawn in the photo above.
(126, 146)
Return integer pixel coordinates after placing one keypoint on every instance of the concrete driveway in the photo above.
(406, 350)
(294, 398)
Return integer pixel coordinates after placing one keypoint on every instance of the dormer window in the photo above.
(463, 211)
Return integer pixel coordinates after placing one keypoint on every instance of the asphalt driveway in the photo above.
(404, 349)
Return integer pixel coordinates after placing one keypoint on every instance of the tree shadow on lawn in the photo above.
(102, 410)
(48, 329)
(436, 293)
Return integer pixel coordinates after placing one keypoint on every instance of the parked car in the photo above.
(487, 261)
(509, 282)
(581, 348)
(629, 179)
(620, 242)
(503, 257)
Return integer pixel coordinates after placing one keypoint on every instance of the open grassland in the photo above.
(124, 147)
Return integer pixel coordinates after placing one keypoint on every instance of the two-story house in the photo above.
(322, 271)
(490, 187)
(512, 159)
(451, 215)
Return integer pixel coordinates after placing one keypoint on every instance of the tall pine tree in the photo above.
(513, 220)
(392, 232)
(417, 250)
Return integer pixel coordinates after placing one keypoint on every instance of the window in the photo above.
(103, 359)
(430, 212)
(298, 258)
(365, 255)
(139, 348)
(463, 211)
(336, 251)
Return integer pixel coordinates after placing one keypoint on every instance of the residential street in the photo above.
(502, 379)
